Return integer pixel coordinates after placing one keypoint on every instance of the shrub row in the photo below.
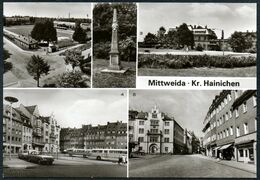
(190, 61)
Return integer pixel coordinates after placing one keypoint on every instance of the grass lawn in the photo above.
(113, 80)
(25, 30)
(203, 72)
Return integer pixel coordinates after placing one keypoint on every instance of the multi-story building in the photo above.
(27, 131)
(116, 135)
(188, 141)
(12, 132)
(113, 135)
(33, 113)
(32, 132)
(223, 126)
(94, 137)
(245, 126)
(64, 139)
(154, 132)
(201, 36)
(51, 134)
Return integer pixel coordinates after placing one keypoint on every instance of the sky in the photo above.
(188, 107)
(74, 107)
(76, 10)
(227, 16)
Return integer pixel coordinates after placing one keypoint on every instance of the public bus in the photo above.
(108, 154)
(79, 152)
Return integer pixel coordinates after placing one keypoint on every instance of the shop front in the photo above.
(246, 148)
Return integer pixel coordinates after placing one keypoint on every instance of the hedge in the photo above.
(169, 61)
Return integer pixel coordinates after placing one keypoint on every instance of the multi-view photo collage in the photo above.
(129, 90)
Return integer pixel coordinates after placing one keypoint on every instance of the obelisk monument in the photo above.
(114, 63)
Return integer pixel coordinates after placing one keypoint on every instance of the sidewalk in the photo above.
(17, 163)
(238, 165)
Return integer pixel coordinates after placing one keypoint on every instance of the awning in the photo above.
(225, 146)
(216, 148)
(245, 143)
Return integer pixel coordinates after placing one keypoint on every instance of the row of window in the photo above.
(17, 139)
(225, 102)
(166, 131)
(229, 132)
(155, 122)
(228, 115)
(14, 123)
(154, 139)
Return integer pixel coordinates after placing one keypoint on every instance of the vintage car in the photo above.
(23, 154)
(40, 158)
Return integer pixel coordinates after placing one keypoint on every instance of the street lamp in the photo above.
(11, 100)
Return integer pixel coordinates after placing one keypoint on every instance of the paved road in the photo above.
(19, 58)
(182, 166)
(70, 168)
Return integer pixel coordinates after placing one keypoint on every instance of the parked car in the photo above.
(40, 157)
(137, 153)
(23, 154)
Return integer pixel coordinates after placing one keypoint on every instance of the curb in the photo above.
(220, 162)
(236, 167)
(19, 166)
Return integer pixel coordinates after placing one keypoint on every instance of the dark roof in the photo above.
(16, 114)
(246, 95)
(142, 115)
(166, 117)
(132, 114)
(31, 109)
(45, 119)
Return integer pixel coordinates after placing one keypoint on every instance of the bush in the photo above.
(199, 48)
(101, 50)
(127, 50)
(72, 80)
(190, 61)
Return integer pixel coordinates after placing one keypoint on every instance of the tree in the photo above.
(72, 80)
(161, 35)
(239, 42)
(50, 33)
(128, 47)
(185, 36)
(7, 65)
(171, 39)
(73, 58)
(150, 39)
(44, 31)
(103, 16)
(37, 67)
(212, 35)
(79, 34)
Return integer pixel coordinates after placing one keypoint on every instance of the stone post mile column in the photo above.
(114, 63)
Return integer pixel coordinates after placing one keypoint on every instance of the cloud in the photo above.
(245, 11)
(208, 9)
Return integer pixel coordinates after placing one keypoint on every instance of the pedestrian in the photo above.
(124, 160)
(120, 160)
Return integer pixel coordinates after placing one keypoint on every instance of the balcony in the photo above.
(52, 135)
(37, 134)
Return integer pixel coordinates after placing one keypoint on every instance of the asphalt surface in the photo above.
(183, 166)
(75, 167)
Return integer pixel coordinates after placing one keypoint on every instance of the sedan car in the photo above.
(23, 154)
(40, 158)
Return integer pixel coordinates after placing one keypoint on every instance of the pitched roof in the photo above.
(30, 108)
(16, 115)
(142, 115)
(45, 119)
